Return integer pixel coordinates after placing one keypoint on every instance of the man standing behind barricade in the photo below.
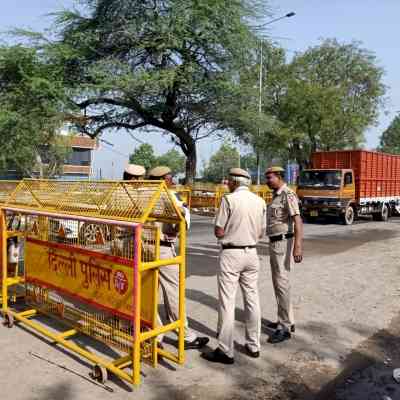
(133, 172)
(169, 275)
(285, 232)
(239, 225)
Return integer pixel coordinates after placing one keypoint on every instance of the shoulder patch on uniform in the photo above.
(292, 198)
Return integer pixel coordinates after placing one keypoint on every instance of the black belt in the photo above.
(165, 243)
(231, 246)
(277, 238)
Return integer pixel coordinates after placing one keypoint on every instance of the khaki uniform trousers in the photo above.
(238, 267)
(169, 282)
(281, 261)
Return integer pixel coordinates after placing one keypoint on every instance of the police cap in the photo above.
(239, 172)
(275, 169)
(159, 172)
(135, 170)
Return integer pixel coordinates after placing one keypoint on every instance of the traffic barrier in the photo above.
(92, 259)
(185, 194)
(12, 246)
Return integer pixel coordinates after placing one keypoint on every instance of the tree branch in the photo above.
(98, 130)
(103, 100)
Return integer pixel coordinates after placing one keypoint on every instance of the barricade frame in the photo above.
(139, 266)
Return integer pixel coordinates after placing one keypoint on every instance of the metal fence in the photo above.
(92, 259)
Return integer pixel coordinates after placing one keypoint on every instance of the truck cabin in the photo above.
(325, 179)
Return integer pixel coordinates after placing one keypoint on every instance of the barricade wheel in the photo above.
(100, 374)
(8, 320)
(90, 233)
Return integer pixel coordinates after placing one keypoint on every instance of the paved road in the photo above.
(345, 293)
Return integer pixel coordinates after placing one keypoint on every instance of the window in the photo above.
(348, 178)
(79, 157)
(321, 179)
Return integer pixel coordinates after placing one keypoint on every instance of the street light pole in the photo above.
(288, 15)
(259, 113)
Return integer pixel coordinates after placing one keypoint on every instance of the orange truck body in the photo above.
(367, 181)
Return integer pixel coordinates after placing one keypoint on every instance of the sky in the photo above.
(372, 22)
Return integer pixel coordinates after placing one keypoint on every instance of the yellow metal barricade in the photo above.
(209, 196)
(263, 191)
(11, 242)
(92, 258)
(185, 194)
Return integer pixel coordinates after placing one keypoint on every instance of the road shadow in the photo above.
(59, 391)
(303, 371)
(367, 371)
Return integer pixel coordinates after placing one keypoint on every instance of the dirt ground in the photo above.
(346, 297)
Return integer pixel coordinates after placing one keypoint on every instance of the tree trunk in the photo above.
(191, 164)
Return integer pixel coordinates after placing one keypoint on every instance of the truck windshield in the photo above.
(320, 179)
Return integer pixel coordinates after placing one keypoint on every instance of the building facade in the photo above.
(77, 166)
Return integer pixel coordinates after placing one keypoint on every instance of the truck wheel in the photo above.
(308, 219)
(383, 215)
(348, 216)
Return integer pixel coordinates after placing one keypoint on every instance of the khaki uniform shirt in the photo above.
(283, 208)
(242, 215)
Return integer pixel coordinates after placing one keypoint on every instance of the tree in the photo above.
(174, 160)
(390, 139)
(144, 155)
(332, 96)
(263, 131)
(220, 163)
(31, 114)
(324, 99)
(52, 156)
(249, 163)
(164, 65)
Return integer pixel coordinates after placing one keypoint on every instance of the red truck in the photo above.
(349, 183)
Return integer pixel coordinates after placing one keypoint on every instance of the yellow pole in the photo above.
(155, 299)
(3, 229)
(137, 304)
(182, 276)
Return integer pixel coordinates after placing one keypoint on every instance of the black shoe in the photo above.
(250, 353)
(197, 343)
(218, 356)
(279, 336)
(275, 325)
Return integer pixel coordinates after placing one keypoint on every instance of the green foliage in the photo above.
(324, 99)
(390, 139)
(51, 157)
(144, 155)
(220, 163)
(249, 162)
(333, 96)
(264, 132)
(31, 98)
(168, 65)
(174, 160)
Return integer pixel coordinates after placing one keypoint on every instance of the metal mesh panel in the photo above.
(101, 237)
(132, 201)
(263, 191)
(150, 243)
(6, 188)
(210, 196)
(102, 326)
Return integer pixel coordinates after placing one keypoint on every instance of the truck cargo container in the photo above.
(350, 183)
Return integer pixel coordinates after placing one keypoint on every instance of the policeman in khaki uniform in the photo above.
(239, 225)
(133, 172)
(169, 275)
(285, 232)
